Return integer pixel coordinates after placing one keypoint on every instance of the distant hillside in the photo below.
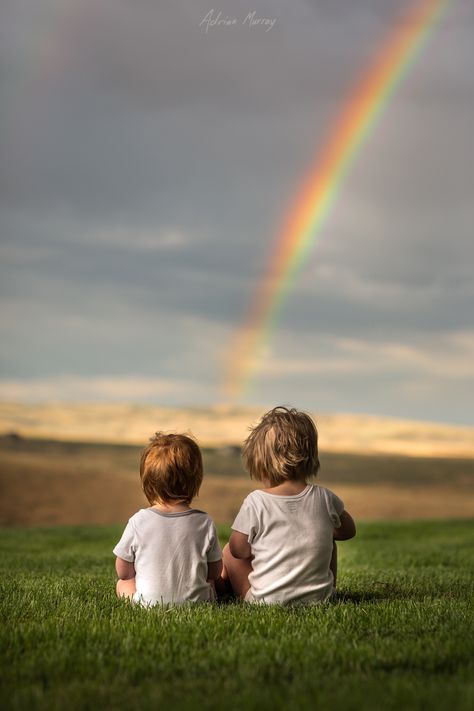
(223, 426)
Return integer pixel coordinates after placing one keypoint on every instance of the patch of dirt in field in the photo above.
(46, 496)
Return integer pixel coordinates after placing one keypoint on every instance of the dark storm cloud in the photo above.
(147, 166)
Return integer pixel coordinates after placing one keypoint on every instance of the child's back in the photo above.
(169, 553)
(282, 546)
(291, 538)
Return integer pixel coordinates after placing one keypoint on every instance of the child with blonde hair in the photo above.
(169, 553)
(282, 548)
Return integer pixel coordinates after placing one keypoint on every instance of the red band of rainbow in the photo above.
(319, 191)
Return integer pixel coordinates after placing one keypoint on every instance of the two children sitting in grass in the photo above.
(283, 543)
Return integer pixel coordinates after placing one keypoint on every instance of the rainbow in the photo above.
(318, 194)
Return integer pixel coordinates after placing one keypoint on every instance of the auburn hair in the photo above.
(171, 468)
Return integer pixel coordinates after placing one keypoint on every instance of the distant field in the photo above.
(226, 425)
(46, 483)
(226, 461)
(398, 638)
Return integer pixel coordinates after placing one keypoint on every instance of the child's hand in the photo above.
(347, 528)
(214, 570)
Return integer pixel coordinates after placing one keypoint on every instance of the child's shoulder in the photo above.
(144, 513)
(253, 496)
(150, 513)
(200, 516)
(202, 519)
(258, 495)
(138, 516)
(150, 518)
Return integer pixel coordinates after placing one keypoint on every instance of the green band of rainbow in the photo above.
(318, 195)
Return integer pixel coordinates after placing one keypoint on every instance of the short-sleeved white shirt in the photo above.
(291, 538)
(170, 552)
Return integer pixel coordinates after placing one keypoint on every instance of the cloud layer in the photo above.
(147, 166)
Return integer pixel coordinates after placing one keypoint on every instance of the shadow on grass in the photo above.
(380, 592)
(383, 593)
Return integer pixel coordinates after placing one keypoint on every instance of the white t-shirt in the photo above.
(170, 552)
(291, 538)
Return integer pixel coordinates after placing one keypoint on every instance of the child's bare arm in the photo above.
(125, 570)
(347, 528)
(214, 570)
(239, 545)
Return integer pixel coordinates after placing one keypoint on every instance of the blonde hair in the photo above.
(284, 445)
(171, 468)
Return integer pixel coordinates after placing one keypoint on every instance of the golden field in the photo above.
(224, 425)
(78, 464)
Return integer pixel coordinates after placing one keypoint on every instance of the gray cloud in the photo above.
(127, 123)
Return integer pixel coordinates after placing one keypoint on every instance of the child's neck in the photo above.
(171, 506)
(291, 487)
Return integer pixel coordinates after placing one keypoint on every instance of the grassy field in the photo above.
(399, 636)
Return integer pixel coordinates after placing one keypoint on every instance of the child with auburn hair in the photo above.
(282, 548)
(169, 552)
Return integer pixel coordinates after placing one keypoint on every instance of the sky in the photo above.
(147, 163)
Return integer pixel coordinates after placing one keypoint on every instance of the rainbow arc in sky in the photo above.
(319, 191)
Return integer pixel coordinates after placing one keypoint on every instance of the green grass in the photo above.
(399, 637)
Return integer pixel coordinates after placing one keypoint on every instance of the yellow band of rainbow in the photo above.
(319, 191)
